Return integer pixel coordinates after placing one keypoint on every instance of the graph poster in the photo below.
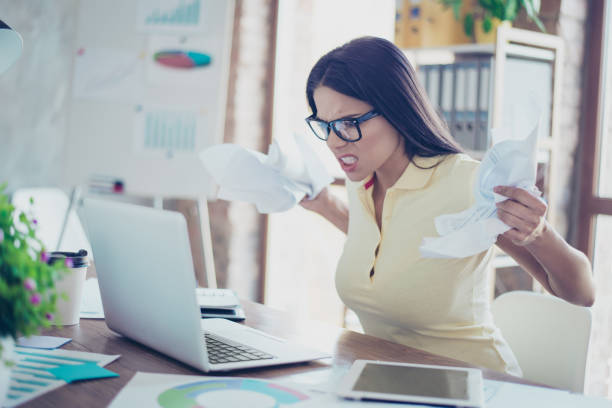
(168, 130)
(171, 16)
(182, 65)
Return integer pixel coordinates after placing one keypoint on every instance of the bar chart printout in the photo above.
(33, 375)
(155, 15)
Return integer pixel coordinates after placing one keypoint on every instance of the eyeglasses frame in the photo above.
(332, 125)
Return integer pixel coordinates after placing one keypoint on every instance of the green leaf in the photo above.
(468, 24)
(511, 10)
(532, 7)
(487, 24)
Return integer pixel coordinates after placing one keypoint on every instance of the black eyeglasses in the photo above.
(347, 129)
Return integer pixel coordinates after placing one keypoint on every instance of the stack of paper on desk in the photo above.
(274, 182)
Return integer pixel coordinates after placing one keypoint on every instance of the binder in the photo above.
(459, 129)
(447, 93)
(422, 76)
(482, 119)
(433, 85)
(471, 103)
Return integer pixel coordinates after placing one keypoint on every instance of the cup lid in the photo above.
(79, 259)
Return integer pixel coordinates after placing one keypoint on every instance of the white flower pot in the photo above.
(8, 350)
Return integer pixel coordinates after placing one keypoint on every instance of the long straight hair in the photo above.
(375, 71)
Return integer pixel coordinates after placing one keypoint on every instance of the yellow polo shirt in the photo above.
(437, 305)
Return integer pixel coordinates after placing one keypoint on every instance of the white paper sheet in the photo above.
(274, 182)
(510, 395)
(30, 378)
(168, 390)
(91, 302)
(510, 162)
(180, 17)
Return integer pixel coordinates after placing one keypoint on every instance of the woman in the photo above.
(404, 169)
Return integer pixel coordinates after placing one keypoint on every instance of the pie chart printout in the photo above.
(182, 59)
(227, 392)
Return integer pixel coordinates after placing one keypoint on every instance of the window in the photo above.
(303, 248)
(595, 222)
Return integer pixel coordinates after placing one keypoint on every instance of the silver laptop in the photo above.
(147, 282)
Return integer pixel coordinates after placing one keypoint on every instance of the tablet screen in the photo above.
(417, 381)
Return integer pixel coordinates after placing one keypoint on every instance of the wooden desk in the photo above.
(345, 346)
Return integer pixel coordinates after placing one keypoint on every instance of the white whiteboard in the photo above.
(135, 119)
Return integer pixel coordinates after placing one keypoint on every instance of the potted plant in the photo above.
(27, 294)
(483, 18)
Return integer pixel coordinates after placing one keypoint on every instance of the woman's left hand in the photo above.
(524, 212)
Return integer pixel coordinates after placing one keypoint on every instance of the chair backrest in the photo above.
(49, 209)
(549, 337)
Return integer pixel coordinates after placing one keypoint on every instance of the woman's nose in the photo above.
(334, 142)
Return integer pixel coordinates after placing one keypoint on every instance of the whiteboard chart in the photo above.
(148, 93)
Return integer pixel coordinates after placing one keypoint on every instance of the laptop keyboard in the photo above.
(222, 350)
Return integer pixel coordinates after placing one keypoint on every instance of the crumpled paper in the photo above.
(274, 182)
(510, 162)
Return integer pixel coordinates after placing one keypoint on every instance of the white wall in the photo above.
(34, 92)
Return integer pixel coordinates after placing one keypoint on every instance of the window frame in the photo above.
(591, 203)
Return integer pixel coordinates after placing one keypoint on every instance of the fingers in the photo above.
(524, 197)
(530, 217)
(515, 222)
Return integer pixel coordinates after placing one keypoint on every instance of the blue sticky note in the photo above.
(77, 372)
(42, 342)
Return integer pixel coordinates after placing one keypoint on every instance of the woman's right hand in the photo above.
(318, 203)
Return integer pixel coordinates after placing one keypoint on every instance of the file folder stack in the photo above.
(461, 93)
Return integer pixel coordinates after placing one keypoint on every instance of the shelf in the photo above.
(446, 55)
(450, 54)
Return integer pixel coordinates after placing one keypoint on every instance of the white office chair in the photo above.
(549, 337)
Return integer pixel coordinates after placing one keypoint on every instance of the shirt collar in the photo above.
(414, 177)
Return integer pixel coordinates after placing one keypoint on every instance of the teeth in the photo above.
(348, 159)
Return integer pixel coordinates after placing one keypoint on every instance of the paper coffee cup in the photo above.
(71, 283)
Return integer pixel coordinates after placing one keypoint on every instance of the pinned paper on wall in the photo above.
(183, 70)
(167, 131)
(171, 16)
(108, 74)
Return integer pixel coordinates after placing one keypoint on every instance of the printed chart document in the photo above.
(167, 391)
(33, 373)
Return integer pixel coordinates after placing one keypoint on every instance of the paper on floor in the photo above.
(274, 182)
(510, 162)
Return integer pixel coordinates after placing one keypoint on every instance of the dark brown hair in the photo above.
(375, 71)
